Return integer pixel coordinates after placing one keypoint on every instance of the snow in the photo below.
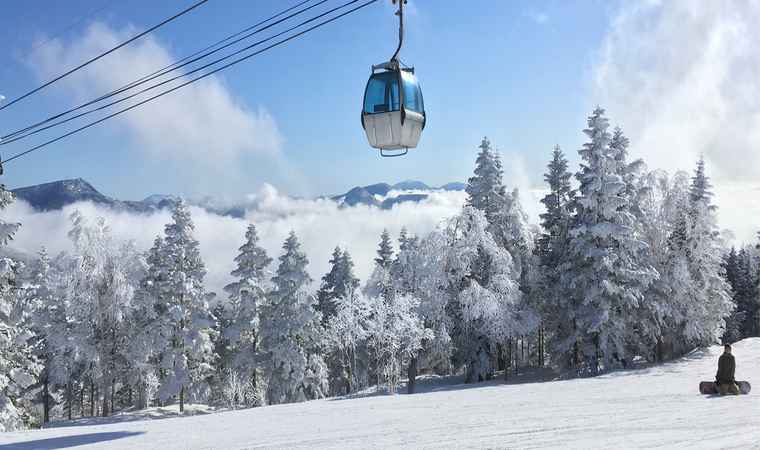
(656, 406)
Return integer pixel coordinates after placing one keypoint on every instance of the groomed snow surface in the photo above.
(642, 408)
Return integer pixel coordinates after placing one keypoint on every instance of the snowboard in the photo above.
(709, 387)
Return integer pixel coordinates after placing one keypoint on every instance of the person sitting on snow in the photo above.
(724, 379)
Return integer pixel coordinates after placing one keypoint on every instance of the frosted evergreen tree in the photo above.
(384, 250)
(396, 335)
(380, 283)
(50, 326)
(290, 339)
(186, 349)
(347, 334)
(18, 365)
(603, 282)
(485, 189)
(552, 244)
(516, 235)
(629, 172)
(149, 325)
(336, 283)
(484, 301)
(734, 276)
(99, 298)
(559, 203)
(711, 301)
(246, 295)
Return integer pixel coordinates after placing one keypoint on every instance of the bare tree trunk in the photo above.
(45, 399)
(113, 394)
(104, 410)
(69, 401)
(92, 398)
(182, 399)
(412, 375)
(81, 401)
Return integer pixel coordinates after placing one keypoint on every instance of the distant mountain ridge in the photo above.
(58, 194)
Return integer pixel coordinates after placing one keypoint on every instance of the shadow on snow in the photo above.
(69, 441)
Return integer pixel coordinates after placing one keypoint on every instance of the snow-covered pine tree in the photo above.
(346, 336)
(186, 352)
(485, 189)
(483, 296)
(380, 283)
(735, 321)
(18, 365)
(149, 324)
(552, 244)
(396, 335)
(100, 295)
(711, 300)
(246, 295)
(747, 294)
(336, 285)
(603, 282)
(50, 327)
(290, 333)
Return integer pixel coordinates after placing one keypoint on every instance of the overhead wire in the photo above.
(104, 54)
(26, 131)
(167, 81)
(161, 94)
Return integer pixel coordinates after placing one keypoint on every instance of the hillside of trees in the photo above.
(626, 263)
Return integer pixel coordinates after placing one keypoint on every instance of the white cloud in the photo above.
(682, 78)
(188, 125)
(538, 17)
(319, 224)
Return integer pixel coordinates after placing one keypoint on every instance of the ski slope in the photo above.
(645, 408)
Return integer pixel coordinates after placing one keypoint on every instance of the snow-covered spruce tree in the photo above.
(18, 365)
(711, 301)
(247, 293)
(507, 222)
(747, 294)
(50, 326)
(552, 244)
(603, 282)
(655, 207)
(149, 325)
(380, 282)
(336, 283)
(396, 334)
(290, 333)
(423, 274)
(185, 346)
(99, 296)
(734, 278)
(483, 297)
(346, 336)
(485, 189)
(395, 330)
(335, 288)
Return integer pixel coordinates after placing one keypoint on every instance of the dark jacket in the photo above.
(726, 368)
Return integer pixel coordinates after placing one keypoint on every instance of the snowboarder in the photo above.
(724, 379)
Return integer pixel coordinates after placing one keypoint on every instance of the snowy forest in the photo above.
(627, 264)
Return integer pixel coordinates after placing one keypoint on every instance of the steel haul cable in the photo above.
(198, 69)
(106, 53)
(232, 63)
(27, 131)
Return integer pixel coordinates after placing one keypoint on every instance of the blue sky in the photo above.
(518, 72)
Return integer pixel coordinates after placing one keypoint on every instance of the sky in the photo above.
(681, 78)
(508, 70)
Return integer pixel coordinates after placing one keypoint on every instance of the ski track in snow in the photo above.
(655, 407)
